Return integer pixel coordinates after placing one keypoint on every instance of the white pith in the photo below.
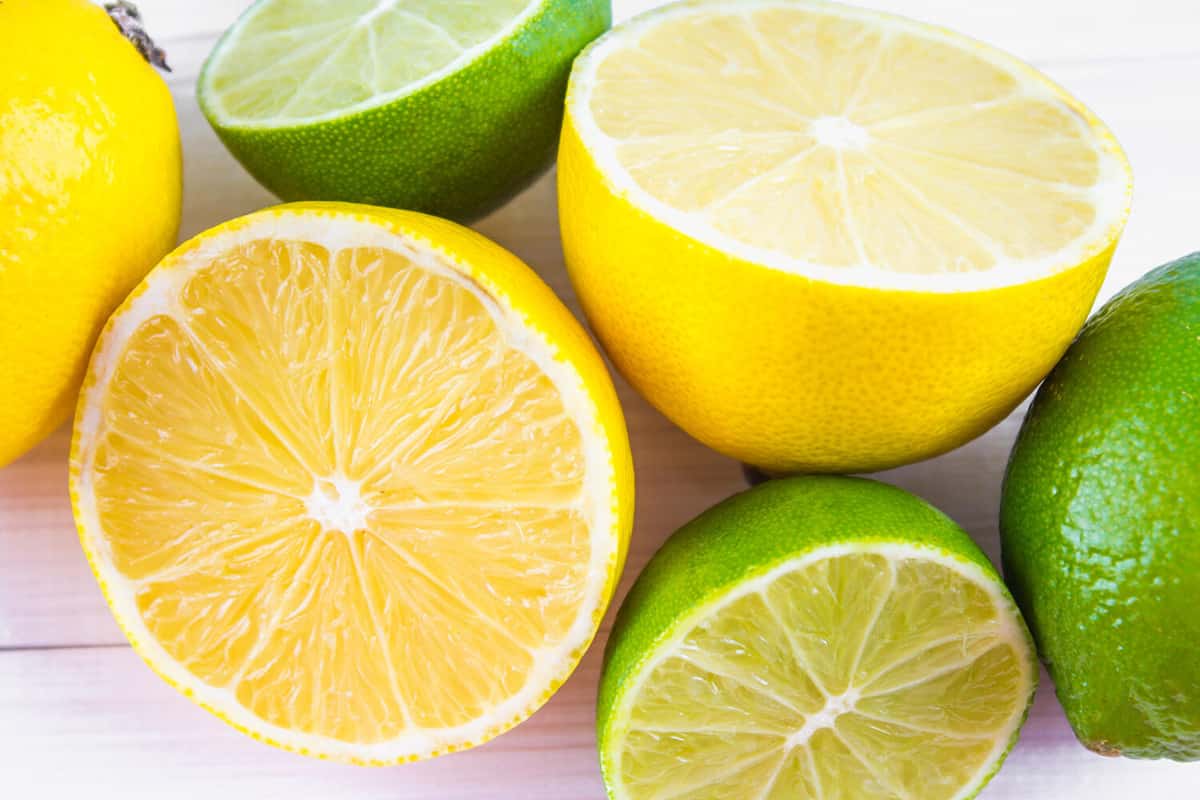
(839, 133)
(834, 707)
(334, 502)
(1009, 632)
(1110, 195)
(227, 45)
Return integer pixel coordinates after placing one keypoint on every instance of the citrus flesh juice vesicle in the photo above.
(343, 494)
(311, 59)
(831, 139)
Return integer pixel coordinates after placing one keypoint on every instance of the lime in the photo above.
(90, 190)
(448, 108)
(1100, 521)
(814, 636)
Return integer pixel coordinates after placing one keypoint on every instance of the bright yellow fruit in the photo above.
(354, 480)
(826, 239)
(90, 181)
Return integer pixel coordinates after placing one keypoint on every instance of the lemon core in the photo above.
(336, 504)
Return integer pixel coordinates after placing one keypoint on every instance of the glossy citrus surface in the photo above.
(814, 637)
(90, 181)
(1100, 520)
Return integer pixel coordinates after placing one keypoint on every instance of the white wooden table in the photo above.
(81, 715)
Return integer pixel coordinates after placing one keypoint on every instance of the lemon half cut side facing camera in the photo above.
(352, 479)
(821, 238)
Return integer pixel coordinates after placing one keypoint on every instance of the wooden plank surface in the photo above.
(79, 713)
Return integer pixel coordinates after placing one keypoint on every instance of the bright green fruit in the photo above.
(447, 108)
(1101, 521)
(814, 637)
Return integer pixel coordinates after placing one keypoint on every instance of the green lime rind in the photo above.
(749, 535)
(1100, 520)
(457, 147)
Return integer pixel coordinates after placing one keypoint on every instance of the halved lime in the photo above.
(435, 106)
(814, 637)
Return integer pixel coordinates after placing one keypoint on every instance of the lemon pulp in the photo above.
(845, 143)
(342, 494)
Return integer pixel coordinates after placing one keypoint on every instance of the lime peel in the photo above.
(720, 560)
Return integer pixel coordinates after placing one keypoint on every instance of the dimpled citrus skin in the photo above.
(799, 375)
(458, 147)
(1100, 521)
(90, 182)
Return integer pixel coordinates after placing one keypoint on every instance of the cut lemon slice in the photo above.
(849, 145)
(821, 238)
(354, 480)
(814, 638)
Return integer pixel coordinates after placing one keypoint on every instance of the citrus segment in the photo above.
(342, 493)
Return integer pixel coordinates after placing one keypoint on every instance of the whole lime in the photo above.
(1100, 521)
(447, 108)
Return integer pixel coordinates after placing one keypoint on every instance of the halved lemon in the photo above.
(816, 637)
(352, 479)
(821, 238)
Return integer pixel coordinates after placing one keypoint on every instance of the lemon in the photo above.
(448, 108)
(814, 637)
(820, 238)
(90, 182)
(352, 479)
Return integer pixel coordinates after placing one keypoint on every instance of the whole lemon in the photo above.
(90, 184)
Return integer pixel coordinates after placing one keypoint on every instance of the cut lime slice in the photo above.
(814, 637)
(429, 105)
(300, 61)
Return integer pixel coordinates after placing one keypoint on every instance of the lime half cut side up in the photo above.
(814, 637)
(292, 62)
(447, 108)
